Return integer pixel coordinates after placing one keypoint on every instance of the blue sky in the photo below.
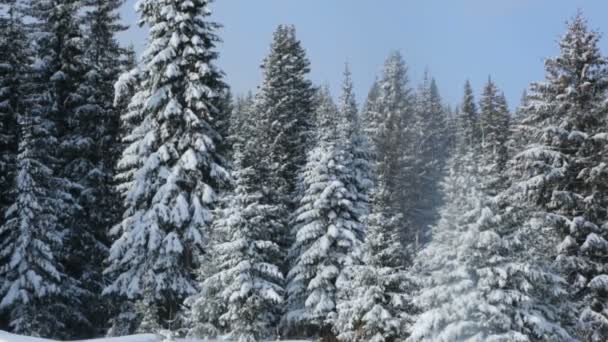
(455, 39)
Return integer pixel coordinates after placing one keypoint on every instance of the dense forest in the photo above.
(139, 195)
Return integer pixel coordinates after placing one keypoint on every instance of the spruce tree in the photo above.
(376, 303)
(468, 130)
(428, 130)
(284, 105)
(327, 230)
(483, 277)
(34, 286)
(13, 59)
(559, 176)
(52, 94)
(171, 171)
(247, 281)
(388, 111)
(494, 128)
(91, 147)
(356, 152)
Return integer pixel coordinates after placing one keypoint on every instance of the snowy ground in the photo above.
(6, 337)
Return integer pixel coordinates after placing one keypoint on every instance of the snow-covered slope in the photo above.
(6, 337)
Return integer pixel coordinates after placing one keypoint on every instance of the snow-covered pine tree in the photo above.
(240, 128)
(356, 152)
(326, 230)
(170, 172)
(369, 110)
(105, 60)
(52, 92)
(13, 59)
(34, 286)
(427, 160)
(91, 147)
(494, 121)
(375, 295)
(284, 111)
(285, 104)
(482, 277)
(561, 173)
(247, 286)
(224, 105)
(32, 239)
(388, 110)
(468, 130)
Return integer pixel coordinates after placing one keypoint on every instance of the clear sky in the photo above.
(455, 39)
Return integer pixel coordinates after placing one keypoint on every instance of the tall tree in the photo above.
(327, 229)
(41, 299)
(386, 119)
(284, 104)
(494, 118)
(247, 279)
(91, 146)
(356, 147)
(482, 276)
(468, 120)
(170, 171)
(13, 59)
(55, 87)
(427, 159)
(376, 303)
(560, 175)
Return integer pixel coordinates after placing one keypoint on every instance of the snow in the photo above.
(6, 337)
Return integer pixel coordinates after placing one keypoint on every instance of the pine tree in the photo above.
(224, 106)
(34, 284)
(356, 147)
(427, 160)
(52, 96)
(327, 230)
(13, 59)
(376, 303)
(91, 145)
(386, 119)
(248, 280)
(469, 133)
(148, 312)
(283, 110)
(240, 127)
(560, 174)
(483, 277)
(171, 171)
(284, 105)
(494, 126)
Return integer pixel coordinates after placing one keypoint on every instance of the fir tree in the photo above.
(326, 230)
(427, 159)
(377, 301)
(560, 174)
(468, 133)
(171, 171)
(248, 280)
(284, 105)
(91, 146)
(483, 277)
(34, 284)
(13, 59)
(494, 126)
(386, 117)
(52, 96)
(356, 147)
(284, 115)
